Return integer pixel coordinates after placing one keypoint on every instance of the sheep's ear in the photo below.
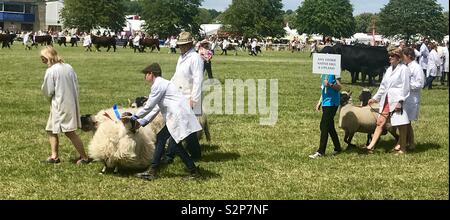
(350, 93)
(129, 103)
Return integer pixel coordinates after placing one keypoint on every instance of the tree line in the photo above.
(261, 18)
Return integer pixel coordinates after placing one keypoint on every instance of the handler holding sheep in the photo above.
(393, 91)
(61, 87)
(178, 115)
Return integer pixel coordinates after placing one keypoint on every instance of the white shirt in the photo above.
(424, 56)
(188, 77)
(446, 59)
(87, 40)
(395, 85)
(179, 117)
(433, 62)
(417, 82)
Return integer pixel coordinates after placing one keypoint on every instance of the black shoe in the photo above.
(147, 175)
(167, 160)
(194, 174)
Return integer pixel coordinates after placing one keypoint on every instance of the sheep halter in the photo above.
(116, 112)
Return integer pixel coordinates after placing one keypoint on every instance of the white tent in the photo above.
(134, 25)
(210, 29)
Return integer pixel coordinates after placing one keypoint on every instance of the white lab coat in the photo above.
(417, 82)
(61, 87)
(179, 117)
(87, 40)
(423, 61)
(434, 61)
(396, 85)
(188, 78)
(136, 41)
(446, 58)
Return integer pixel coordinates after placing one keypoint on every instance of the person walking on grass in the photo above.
(180, 120)
(329, 101)
(60, 86)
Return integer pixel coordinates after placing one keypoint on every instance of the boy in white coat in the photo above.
(178, 115)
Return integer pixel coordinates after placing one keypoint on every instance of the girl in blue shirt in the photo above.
(330, 101)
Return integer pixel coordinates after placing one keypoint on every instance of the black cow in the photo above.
(7, 40)
(368, 60)
(104, 41)
(43, 40)
(73, 41)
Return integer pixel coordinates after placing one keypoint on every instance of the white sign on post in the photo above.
(328, 64)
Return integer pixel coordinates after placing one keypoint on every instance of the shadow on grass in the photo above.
(386, 147)
(422, 147)
(219, 157)
(209, 147)
(205, 175)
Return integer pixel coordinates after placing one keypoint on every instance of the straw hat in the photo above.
(184, 38)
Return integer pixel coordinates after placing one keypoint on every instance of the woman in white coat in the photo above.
(60, 86)
(178, 115)
(412, 103)
(445, 64)
(393, 91)
(434, 61)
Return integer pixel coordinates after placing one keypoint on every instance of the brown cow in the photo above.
(149, 42)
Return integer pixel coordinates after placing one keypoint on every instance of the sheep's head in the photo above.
(346, 98)
(365, 96)
(88, 123)
(129, 123)
(138, 102)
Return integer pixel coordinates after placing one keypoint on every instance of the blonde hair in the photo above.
(51, 55)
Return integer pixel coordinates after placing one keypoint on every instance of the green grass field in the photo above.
(244, 160)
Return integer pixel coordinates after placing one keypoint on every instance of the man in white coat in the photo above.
(434, 62)
(179, 118)
(188, 78)
(424, 51)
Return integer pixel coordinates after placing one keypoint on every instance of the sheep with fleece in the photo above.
(117, 144)
(354, 119)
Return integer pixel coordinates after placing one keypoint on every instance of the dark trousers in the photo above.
(173, 50)
(208, 68)
(444, 75)
(224, 51)
(176, 149)
(327, 127)
(161, 140)
(429, 82)
(193, 146)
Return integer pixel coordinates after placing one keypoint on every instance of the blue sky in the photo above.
(359, 6)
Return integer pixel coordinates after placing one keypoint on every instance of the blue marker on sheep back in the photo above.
(116, 112)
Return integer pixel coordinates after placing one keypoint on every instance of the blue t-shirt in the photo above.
(330, 97)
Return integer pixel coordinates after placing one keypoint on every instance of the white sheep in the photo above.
(117, 146)
(354, 119)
